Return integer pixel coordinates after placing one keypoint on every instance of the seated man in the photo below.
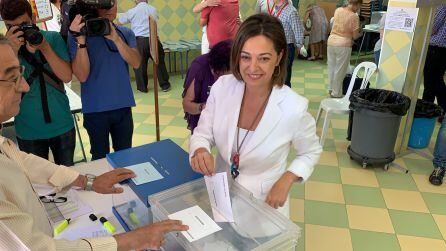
(45, 121)
(20, 208)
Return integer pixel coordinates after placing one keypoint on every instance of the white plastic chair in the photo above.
(341, 105)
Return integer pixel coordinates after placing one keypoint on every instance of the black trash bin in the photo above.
(376, 121)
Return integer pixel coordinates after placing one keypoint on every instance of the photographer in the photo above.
(101, 65)
(45, 121)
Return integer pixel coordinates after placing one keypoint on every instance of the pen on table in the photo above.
(61, 226)
(107, 225)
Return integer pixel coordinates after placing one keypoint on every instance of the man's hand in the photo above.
(203, 162)
(76, 26)
(16, 38)
(113, 34)
(278, 194)
(44, 46)
(148, 237)
(105, 183)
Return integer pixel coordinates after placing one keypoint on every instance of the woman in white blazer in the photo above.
(254, 120)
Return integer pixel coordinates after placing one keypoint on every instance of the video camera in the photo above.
(94, 25)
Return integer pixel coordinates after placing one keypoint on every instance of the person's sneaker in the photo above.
(436, 177)
(167, 89)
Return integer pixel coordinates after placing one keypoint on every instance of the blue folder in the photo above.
(166, 156)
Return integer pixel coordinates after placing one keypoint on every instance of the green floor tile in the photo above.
(435, 202)
(139, 117)
(297, 191)
(169, 110)
(316, 92)
(373, 241)
(345, 161)
(363, 196)
(326, 174)
(178, 121)
(339, 134)
(147, 129)
(400, 181)
(419, 166)
(325, 214)
(301, 240)
(414, 224)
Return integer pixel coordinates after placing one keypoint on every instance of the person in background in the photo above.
(45, 121)
(346, 28)
(435, 65)
(55, 23)
(222, 22)
(439, 161)
(248, 119)
(294, 30)
(201, 75)
(379, 43)
(262, 6)
(102, 66)
(197, 9)
(138, 17)
(318, 30)
(21, 210)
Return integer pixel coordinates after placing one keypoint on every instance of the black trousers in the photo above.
(142, 79)
(434, 69)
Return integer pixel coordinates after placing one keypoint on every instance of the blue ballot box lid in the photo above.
(169, 160)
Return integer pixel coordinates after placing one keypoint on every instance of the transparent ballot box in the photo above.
(257, 226)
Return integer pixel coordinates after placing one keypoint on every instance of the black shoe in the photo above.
(166, 89)
(436, 177)
(143, 90)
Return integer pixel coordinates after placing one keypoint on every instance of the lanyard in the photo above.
(270, 10)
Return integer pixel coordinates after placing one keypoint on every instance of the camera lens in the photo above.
(96, 27)
(34, 37)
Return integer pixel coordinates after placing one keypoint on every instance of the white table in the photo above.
(75, 108)
(100, 203)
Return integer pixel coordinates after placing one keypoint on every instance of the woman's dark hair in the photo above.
(12, 9)
(219, 56)
(270, 27)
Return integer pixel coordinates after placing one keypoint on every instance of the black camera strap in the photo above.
(44, 76)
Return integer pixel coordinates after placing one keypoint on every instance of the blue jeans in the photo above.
(291, 51)
(116, 123)
(61, 146)
(377, 53)
(440, 147)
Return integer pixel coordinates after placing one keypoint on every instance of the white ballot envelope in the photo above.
(219, 197)
(200, 224)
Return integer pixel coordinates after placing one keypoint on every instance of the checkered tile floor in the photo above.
(343, 206)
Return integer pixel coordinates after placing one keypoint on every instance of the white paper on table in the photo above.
(145, 172)
(74, 207)
(401, 19)
(218, 191)
(93, 231)
(200, 224)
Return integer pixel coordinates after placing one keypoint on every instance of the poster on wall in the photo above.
(42, 10)
(401, 19)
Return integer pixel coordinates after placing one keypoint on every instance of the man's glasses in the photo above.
(52, 199)
(14, 81)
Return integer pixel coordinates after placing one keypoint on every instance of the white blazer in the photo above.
(263, 159)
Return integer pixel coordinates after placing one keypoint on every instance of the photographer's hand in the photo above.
(16, 38)
(113, 35)
(130, 55)
(76, 27)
